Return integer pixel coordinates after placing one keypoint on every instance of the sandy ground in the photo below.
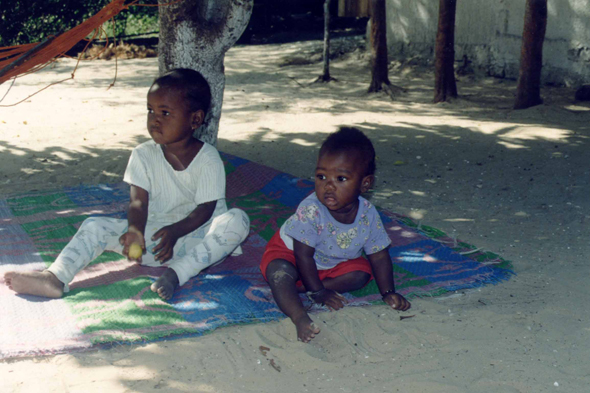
(513, 182)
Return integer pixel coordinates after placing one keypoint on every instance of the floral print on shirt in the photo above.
(334, 242)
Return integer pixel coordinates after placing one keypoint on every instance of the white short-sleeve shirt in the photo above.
(174, 194)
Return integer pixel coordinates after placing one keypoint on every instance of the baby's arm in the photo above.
(311, 280)
(383, 273)
(137, 213)
(170, 234)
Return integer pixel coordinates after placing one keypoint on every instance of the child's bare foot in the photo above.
(35, 283)
(166, 284)
(306, 329)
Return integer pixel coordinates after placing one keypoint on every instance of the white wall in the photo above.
(489, 33)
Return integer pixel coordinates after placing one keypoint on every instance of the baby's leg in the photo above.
(94, 236)
(282, 278)
(347, 282)
(227, 232)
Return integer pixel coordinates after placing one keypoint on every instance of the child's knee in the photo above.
(241, 217)
(280, 270)
(235, 220)
(95, 224)
(91, 225)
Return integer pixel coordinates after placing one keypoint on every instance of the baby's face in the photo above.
(169, 117)
(339, 180)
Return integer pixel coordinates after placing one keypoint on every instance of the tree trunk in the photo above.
(528, 91)
(196, 34)
(326, 75)
(444, 74)
(378, 46)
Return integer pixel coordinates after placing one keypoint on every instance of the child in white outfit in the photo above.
(177, 213)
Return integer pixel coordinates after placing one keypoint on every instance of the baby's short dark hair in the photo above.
(350, 139)
(191, 83)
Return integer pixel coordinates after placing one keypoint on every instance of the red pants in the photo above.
(276, 249)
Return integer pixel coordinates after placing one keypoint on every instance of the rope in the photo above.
(20, 60)
(61, 43)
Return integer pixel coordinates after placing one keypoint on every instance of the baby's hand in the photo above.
(331, 299)
(397, 301)
(164, 251)
(129, 238)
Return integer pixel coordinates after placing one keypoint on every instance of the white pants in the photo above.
(194, 252)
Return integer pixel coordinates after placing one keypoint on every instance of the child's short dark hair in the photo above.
(353, 140)
(191, 83)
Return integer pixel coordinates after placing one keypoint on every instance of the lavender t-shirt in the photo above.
(333, 241)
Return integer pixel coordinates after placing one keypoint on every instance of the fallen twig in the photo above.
(274, 365)
(263, 350)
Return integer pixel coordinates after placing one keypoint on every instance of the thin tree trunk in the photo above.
(325, 77)
(444, 74)
(378, 46)
(379, 78)
(326, 74)
(528, 91)
(196, 34)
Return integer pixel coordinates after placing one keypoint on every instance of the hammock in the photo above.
(28, 58)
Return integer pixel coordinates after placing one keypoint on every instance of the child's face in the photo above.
(339, 180)
(169, 117)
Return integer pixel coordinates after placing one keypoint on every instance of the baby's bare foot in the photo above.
(35, 283)
(166, 284)
(8, 278)
(306, 329)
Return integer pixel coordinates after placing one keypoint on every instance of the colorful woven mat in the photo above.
(110, 301)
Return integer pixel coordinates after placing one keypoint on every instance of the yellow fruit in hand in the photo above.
(135, 251)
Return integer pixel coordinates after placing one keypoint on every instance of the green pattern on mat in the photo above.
(36, 204)
(462, 247)
(261, 210)
(123, 310)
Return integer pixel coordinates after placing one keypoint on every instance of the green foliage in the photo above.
(26, 21)
(140, 20)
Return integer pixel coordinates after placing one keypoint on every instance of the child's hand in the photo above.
(164, 251)
(129, 238)
(397, 301)
(329, 298)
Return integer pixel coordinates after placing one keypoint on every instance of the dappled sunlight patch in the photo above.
(66, 156)
(415, 256)
(386, 194)
(16, 152)
(511, 145)
(521, 214)
(111, 174)
(197, 306)
(458, 219)
(577, 108)
(417, 214)
(214, 277)
(303, 142)
(534, 133)
(408, 234)
(30, 171)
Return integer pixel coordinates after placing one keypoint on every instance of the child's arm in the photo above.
(311, 280)
(170, 234)
(383, 273)
(137, 213)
